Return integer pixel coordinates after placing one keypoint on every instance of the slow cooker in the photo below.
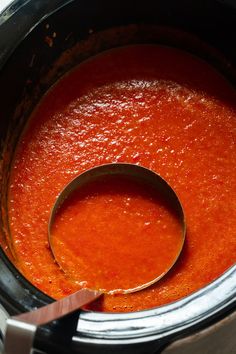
(39, 41)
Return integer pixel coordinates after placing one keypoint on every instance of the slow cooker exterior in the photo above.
(201, 323)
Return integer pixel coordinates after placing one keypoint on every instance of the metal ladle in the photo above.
(20, 329)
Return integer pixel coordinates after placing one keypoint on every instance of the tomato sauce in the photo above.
(116, 234)
(150, 105)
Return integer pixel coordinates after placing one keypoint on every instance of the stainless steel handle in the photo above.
(20, 329)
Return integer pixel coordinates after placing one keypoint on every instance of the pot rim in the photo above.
(168, 320)
(181, 316)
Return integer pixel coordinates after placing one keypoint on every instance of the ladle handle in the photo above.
(21, 329)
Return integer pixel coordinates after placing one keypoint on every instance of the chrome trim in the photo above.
(160, 322)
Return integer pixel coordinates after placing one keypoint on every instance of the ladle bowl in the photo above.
(135, 174)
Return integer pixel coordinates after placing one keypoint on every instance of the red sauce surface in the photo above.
(116, 234)
(150, 105)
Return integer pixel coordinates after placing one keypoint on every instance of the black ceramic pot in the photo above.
(33, 36)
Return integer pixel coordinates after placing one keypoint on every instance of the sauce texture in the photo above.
(150, 105)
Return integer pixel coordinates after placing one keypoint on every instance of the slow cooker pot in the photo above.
(39, 41)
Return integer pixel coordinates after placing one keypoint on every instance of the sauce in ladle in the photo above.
(117, 228)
